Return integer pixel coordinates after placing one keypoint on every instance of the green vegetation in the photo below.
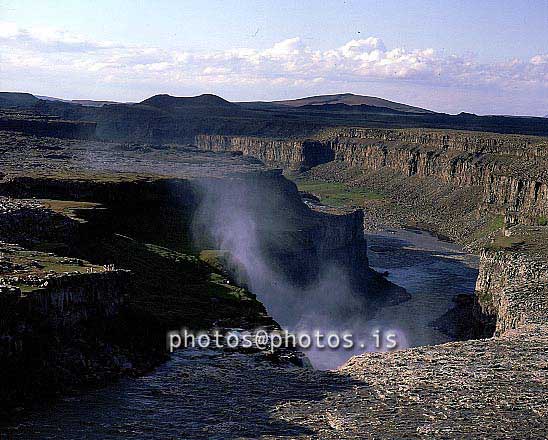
(501, 242)
(68, 207)
(337, 194)
(215, 258)
(27, 266)
(33, 262)
(492, 224)
(496, 224)
(175, 287)
(543, 221)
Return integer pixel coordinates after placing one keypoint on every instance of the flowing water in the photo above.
(211, 394)
(431, 270)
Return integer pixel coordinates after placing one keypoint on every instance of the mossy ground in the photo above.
(337, 194)
(501, 242)
(24, 268)
(496, 224)
(489, 229)
(178, 288)
(68, 207)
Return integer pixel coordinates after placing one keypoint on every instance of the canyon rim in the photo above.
(205, 235)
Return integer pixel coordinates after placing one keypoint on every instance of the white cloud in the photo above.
(63, 56)
(48, 38)
(8, 30)
(284, 49)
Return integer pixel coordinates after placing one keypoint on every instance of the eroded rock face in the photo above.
(57, 329)
(147, 201)
(263, 214)
(292, 154)
(512, 287)
(61, 302)
(296, 239)
(509, 168)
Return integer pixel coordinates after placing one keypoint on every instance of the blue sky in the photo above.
(480, 56)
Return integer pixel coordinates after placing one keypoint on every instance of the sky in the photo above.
(485, 57)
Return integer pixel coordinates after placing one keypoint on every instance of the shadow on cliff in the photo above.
(309, 269)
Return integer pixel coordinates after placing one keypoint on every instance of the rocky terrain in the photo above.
(491, 388)
(484, 190)
(101, 209)
(103, 241)
(421, 175)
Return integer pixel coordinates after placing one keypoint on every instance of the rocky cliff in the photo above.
(97, 205)
(286, 153)
(60, 302)
(296, 238)
(512, 285)
(451, 182)
(64, 324)
(509, 169)
(280, 228)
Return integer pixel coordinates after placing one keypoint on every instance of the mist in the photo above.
(257, 227)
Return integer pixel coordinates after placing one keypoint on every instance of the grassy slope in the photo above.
(390, 199)
(337, 194)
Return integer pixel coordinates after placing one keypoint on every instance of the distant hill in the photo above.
(85, 102)
(351, 100)
(164, 118)
(17, 100)
(91, 103)
(349, 109)
(174, 102)
(199, 109)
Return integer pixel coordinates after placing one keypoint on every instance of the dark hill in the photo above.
(359, 108)
(165, 118)
(350, 99)
(17, 100)
(171, 102)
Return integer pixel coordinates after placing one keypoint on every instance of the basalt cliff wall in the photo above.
(510, 169)
(297, 238)
(286, 232)
(70, 332)
(512, 285)
(291, 154)
(508, 172)
(64, 301)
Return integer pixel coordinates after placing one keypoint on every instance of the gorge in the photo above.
(107, 244)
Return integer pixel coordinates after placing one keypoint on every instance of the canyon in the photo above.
(132, 238)
(509, 169)
(475, 188)
(486, 191)
(108, 260)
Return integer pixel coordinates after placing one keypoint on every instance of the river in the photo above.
(211, 394)
(431, 270)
